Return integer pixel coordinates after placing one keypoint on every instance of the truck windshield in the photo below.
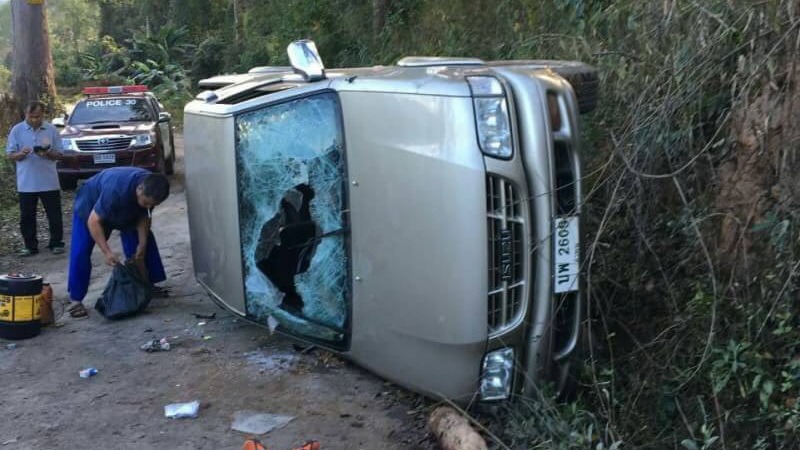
(290, 173)
(111, 110)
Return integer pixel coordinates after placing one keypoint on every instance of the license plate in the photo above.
(105, 158)
(566, 260)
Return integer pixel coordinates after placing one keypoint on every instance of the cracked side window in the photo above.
(290, 168)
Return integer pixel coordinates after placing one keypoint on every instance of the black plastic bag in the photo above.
(125, 294)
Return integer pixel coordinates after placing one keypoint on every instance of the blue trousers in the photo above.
(80, 257)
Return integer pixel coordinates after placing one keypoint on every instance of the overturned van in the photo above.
(421, 219)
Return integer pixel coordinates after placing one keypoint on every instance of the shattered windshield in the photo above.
(111, 110)
(291, 200)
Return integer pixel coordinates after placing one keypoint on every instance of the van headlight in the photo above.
(69, 144)
(491, 116)
(497, 374)
(141, 140)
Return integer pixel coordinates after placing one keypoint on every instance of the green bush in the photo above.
(5, 78)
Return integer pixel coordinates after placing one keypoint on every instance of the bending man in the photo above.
(120, 198)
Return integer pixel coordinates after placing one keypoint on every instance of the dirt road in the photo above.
(226, 364)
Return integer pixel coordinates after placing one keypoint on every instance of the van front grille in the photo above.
(506, 233)
(111, 144)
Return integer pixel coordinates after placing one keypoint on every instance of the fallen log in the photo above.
(454, 431)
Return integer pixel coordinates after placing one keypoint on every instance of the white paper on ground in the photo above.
(187, 410)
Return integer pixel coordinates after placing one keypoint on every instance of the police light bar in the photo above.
(95, 90)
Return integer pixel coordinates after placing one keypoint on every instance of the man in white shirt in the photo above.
(35, 146)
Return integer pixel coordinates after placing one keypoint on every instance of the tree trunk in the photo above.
(380, 8)
(31, 63)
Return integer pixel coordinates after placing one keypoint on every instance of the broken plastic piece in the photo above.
(188, 410)
(156, 345)
(88, 372)
(253, 444)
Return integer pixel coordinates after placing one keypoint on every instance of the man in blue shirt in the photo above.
(35, 146)
(120, 198)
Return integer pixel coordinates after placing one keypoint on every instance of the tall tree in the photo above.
(380, 9)
(31, 62)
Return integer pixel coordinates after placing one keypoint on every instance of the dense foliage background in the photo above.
(692, 179)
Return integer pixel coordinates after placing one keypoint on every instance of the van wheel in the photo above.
(584, 81)
(582, 77)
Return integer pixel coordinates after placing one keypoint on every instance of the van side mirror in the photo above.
(305, 60)
(164, 117)
(59, 122)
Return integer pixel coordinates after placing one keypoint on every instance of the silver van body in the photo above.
(419, 256)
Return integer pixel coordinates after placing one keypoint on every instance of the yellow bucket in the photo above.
(20, 305)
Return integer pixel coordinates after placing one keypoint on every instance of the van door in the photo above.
(290, 175)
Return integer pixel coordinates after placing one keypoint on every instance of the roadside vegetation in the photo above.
(692, 192)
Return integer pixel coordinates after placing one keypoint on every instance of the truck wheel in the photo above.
(161, 165)
(169, 166)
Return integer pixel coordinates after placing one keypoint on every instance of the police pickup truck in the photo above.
(115, 126)
(421, 219)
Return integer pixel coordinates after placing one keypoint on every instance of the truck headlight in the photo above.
(142, 139)
(497, 374)
(69, 144)
(491, 116)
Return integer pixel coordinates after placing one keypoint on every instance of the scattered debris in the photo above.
(156, 345)
(88, 372)
(206, 338)
(10, 441)
(200, 324)
(253, 444)
(188, 410)
(204, 316)
(11, 346)
(454, 431)
(148, 330)
(309, 445)
(273, 361)
(252, 422)
(272, 323)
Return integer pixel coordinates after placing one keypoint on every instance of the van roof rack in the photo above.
(429, 61)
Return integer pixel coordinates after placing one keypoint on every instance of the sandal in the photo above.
(77, 310)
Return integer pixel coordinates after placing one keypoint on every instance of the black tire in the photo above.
(68, 183)
(161, 165)
(582, 77)
(169, 166)
(20, 284)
